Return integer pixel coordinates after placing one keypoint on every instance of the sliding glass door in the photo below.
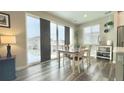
(33, 39)
(36, 34)
(61, 36)
(57, 33)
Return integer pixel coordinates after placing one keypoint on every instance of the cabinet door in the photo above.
(7, 70)
(1, 70)
(10, 71)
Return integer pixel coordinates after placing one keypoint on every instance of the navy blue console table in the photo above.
(7, 68)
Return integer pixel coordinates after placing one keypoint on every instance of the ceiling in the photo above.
(79, 17)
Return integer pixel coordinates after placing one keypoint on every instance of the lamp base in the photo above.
(9, 51)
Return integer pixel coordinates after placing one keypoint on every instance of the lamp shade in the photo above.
(7, 39)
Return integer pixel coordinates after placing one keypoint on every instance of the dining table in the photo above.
(69, 52)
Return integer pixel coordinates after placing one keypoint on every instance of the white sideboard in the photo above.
(104, 52)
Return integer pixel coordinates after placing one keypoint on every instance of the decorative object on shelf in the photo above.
(8, 40)
(109, 21)
(4, 20)
(108, 26)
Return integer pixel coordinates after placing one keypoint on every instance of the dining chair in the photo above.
(77, 60)
(66, 55)
(86, 56)
(65, 47)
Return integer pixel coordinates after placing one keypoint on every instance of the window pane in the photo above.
(91, 34)
(53, 40)
(33, 39)
(61, 36)
(95, 29)
(87, 30)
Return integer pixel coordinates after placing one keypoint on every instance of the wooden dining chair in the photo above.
(86, 56)
(77, 60)
(65, 55)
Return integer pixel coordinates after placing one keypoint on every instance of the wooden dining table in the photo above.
(70, 51)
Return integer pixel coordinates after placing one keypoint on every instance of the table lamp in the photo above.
(8, 40)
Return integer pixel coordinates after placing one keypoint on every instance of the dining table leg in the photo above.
(89, 58)
(59, 59)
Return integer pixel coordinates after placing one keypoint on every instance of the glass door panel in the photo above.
(61, 37)
(53, 37)
(33, 39)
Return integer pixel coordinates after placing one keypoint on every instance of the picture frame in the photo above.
(4, 20)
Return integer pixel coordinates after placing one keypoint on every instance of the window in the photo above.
(90, 37)
(33, 39)
(61, 36)
(57, 37)
(90, 34)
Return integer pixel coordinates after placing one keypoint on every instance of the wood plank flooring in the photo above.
(99, 70)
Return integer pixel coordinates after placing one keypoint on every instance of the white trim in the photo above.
(35, 63)
(21, 68)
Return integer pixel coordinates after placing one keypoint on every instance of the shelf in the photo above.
(103, 57)
(103, 52)
(105, 46)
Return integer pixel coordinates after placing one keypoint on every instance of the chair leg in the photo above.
(63, 60)
(82, 64)
(78, 67)
(73, 66)
(88, 60)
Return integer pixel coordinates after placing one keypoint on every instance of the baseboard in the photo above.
(24, 67)
(34, 64)
(21, 68)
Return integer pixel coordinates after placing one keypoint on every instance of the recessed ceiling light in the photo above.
(85, 15)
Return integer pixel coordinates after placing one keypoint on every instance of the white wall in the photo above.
(18, 28)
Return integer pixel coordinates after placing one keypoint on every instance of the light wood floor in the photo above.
(99, 70)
